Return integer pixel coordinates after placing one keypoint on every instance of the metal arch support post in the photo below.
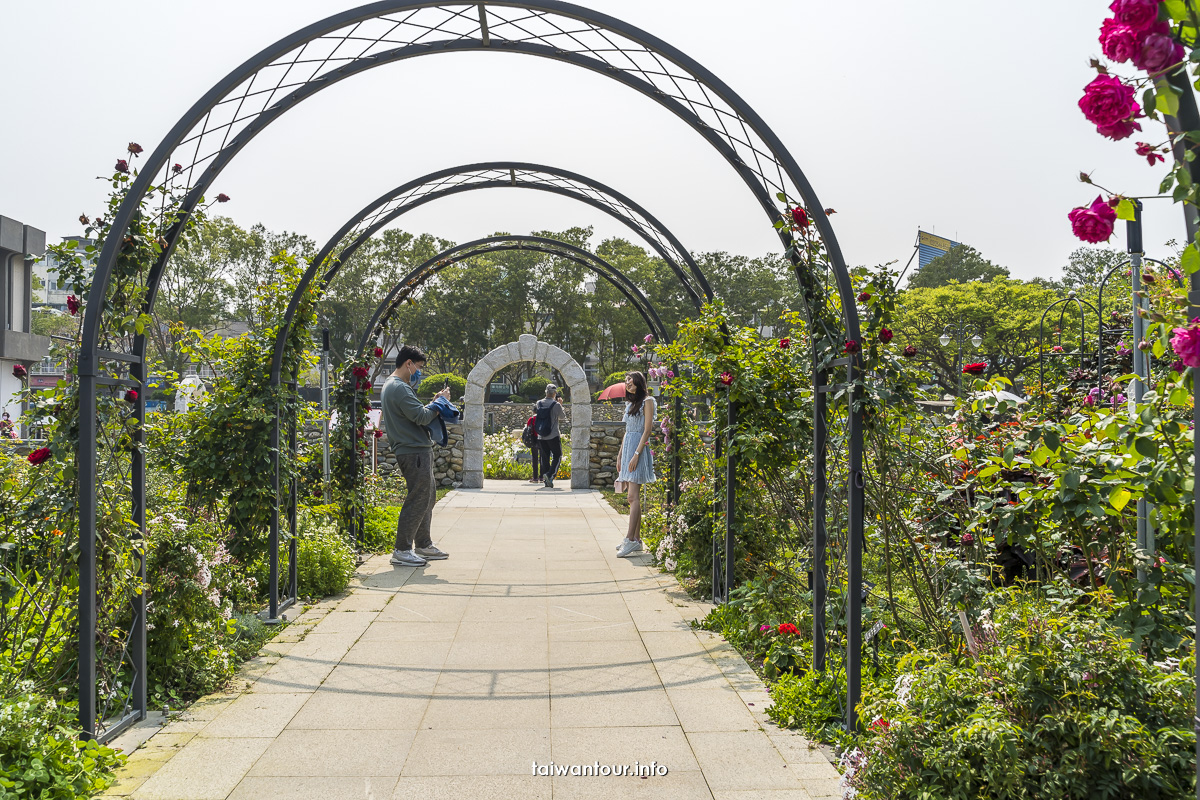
(677, 421)
(87, 551)
(719, 585)
(819, 581)
(730, 493)
(137, 635)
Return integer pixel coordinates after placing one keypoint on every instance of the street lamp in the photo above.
(958, 333)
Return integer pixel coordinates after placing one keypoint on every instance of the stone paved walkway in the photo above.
(532, 643)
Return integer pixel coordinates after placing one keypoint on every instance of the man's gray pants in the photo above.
(417, 512)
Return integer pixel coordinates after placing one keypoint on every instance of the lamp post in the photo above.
(958, 333)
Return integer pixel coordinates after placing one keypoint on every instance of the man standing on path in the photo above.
(404, 421)
(546, 414)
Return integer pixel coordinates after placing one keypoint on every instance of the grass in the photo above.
(619, 501)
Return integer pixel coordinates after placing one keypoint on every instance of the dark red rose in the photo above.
(829, 212)
(378, 434)
(122, 166)
(1138, 14)
(131, 396)
(19, 372)
(1159, 50)
(909, 351)
(360, 372)
(134, 148)
(885, 335)
(1149, 152)
(378, 352)
(361, 433)
(83, 219)
(1119, 41)
(852, 346)
(1108, 103)
(785, 343)
(224, 198)
(864, 297)
(974, 369)
(800, 217)
(72, 304)
(177, 168)
(1148, 278)
(38, 456)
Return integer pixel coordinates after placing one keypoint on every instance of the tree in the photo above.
(963, 263)
(1087, 267)
(1006, 313)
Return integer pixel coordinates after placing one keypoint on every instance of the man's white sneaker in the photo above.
(629, 547)
(407, 558)
(431, 553)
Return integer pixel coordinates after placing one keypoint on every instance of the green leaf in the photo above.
(989, 471)
(1167, 102)
(1071, 479)
(1145, 447)
(1126, 210)
(1118, 497)
(1051, 439)
(1190, 260)
(1041, 454)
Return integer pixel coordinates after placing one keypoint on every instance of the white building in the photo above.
(54, 290)
(19, 246)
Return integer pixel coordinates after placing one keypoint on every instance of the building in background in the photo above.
(20, 245)
(54, 290)
(931, 246)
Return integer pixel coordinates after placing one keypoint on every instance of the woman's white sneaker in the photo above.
(629, 547)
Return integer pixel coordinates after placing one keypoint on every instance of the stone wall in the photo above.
(605, 443)
(447, 461)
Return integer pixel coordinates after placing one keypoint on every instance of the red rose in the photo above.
(909, 351)
(378, 434)
(1159, 50)
(885, 335)
(974, 369)
(1109, 105)
(1137, 14)
(1149, 152)
(38, 456)
(122, 166)
(1094, 223)
(1119, 41)
(224, 198)
(378, 352)
(726, 378)
(800, 217)
(360, 372)
(361, 434)
(851, 347)
(829, 212)
(788, 627)
(134, 148)
(177, 168)
(72, 304)
(19, 372)
(131, 396)
(863, 297)
(785, 343)
(83, 220)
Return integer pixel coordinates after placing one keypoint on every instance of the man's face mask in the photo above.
(415, 380)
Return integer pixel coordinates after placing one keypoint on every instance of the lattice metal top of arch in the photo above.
(535, 176)
(320, 50)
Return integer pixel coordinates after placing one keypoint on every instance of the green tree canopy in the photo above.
(963, 263)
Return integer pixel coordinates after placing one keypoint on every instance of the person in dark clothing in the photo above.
(535, 451)
(404, 420)
(546, 413)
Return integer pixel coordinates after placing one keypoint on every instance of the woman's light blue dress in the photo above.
(635, 426)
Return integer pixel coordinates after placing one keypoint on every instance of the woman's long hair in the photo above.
(639, 393)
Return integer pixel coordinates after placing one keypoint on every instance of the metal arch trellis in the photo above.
(259, 91)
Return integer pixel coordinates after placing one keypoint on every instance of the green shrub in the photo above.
(813, 702)
(517, 398)
(41, 756)
(534, 388)
(325, 561)
(1057, 704)
(430, 386)
(378, 534)
(615, 377)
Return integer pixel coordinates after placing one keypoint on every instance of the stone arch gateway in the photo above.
(527, 348)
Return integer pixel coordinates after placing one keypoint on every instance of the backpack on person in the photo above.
(543, 418)
(528, 437)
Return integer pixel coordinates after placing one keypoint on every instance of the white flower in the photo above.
(903, 689)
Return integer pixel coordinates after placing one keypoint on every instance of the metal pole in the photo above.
(676, 423)
(137, 636)
(730, 496)
(273, 541)
(820, 378)
(87, 549)
(354, 463)
(293, 499)
(718, 569)
(854, 554)
(1141, 365)
(325, 414)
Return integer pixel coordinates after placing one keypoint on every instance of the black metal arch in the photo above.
(256, 93)
(493, 244)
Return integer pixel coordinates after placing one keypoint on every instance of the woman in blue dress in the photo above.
(635, 457)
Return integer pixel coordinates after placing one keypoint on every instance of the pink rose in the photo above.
(1095, 223)
(1149, 152)
(1186, 344)
(1137, 14)
(19, 372)
(72, 304)
(1109, 105)
(1119, 42)
(1159, 50)
(726, 379)
(648, 338)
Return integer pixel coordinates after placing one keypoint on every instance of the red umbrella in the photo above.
(614, 392)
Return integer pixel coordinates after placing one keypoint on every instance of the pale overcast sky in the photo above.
(956, 117)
